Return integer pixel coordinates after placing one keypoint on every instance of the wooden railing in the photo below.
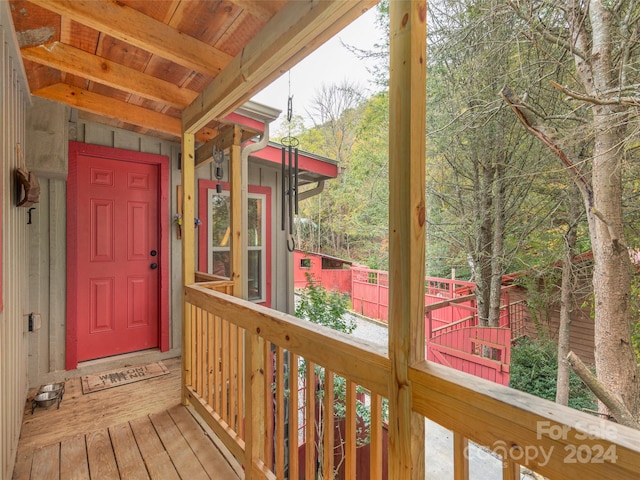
(245, 363)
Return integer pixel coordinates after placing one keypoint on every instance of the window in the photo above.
(219, 240)
(305, 263)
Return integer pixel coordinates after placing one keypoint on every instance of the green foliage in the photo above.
(323, 307)
(534, 369)
(635, 314)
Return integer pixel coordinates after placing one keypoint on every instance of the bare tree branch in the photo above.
(618, 409)
(632, 101)
(547, 137)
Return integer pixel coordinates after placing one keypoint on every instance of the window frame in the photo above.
(205, 250)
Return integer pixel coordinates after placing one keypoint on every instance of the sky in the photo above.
(329, 64)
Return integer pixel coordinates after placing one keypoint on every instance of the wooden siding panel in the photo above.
(13, 256)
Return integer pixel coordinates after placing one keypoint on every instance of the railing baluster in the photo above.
(211, 345)
(194, 360)
(310, 422)
(279, 427)
(293, 416)
(233, 376)
(217, 364)
(350, 434)
(224, 408)
(268, 406)
(511, 470)
(375, 456)
(254, 402)
(241, 384)
(328, 426)
(202, 353)
(460, 457)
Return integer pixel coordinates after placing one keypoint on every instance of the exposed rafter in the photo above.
(131, 26)
(109, 107)
(92, 67)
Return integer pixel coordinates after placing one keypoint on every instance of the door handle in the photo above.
(154, 266)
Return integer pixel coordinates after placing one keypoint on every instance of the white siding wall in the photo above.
(13, 351)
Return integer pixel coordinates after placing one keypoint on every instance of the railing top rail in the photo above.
(210, 277)
(447, 302)
(536, 433)
(363, 362)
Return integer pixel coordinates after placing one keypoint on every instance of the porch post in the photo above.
(407, 138)
(188, 250)
(238, 224)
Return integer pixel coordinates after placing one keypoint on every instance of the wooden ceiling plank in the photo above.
(131, 26)
(108, 107)
(293, 33)
(261, 10)
(78, 62)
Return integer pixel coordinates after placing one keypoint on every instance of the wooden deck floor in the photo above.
(135, 431)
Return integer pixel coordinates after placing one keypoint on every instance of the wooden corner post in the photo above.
(407, 146)
(188, 250)
(238, 224)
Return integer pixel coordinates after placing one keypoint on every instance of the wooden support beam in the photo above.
(407, 139)
(129, 25)
(92, 67)
(188, 249)
(238, 233)
(292, 34)
(109, 107)
(222, 141)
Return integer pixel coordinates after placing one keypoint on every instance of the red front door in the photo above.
(117, 247)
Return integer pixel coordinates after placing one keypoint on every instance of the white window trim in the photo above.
(211, 193)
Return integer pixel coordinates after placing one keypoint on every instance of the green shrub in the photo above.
(534, 369)
(323, 307)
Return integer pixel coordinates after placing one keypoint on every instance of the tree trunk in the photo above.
(483, 246)
(497, 254)
(567, 298)
(616, 363)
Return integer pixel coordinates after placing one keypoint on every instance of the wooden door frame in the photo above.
(162, 162)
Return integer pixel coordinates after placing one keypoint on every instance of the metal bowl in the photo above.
(52, 387)
(46, 399)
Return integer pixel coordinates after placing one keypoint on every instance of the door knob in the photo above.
(153, 253)
(154, 266)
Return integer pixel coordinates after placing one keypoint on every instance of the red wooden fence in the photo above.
(453, 336)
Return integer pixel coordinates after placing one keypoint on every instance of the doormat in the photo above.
(121, 376)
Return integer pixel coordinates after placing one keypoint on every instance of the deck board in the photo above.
(155, 457)
(74, 464)
(215, 465)
(130, 463)
(46, 462)
(136, 431)
(102, 461)
(183, 458)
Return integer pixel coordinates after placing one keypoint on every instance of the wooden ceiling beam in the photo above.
(97, 69)
(109, 107)
(292, 34)
(204, 153)
(129, 25)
